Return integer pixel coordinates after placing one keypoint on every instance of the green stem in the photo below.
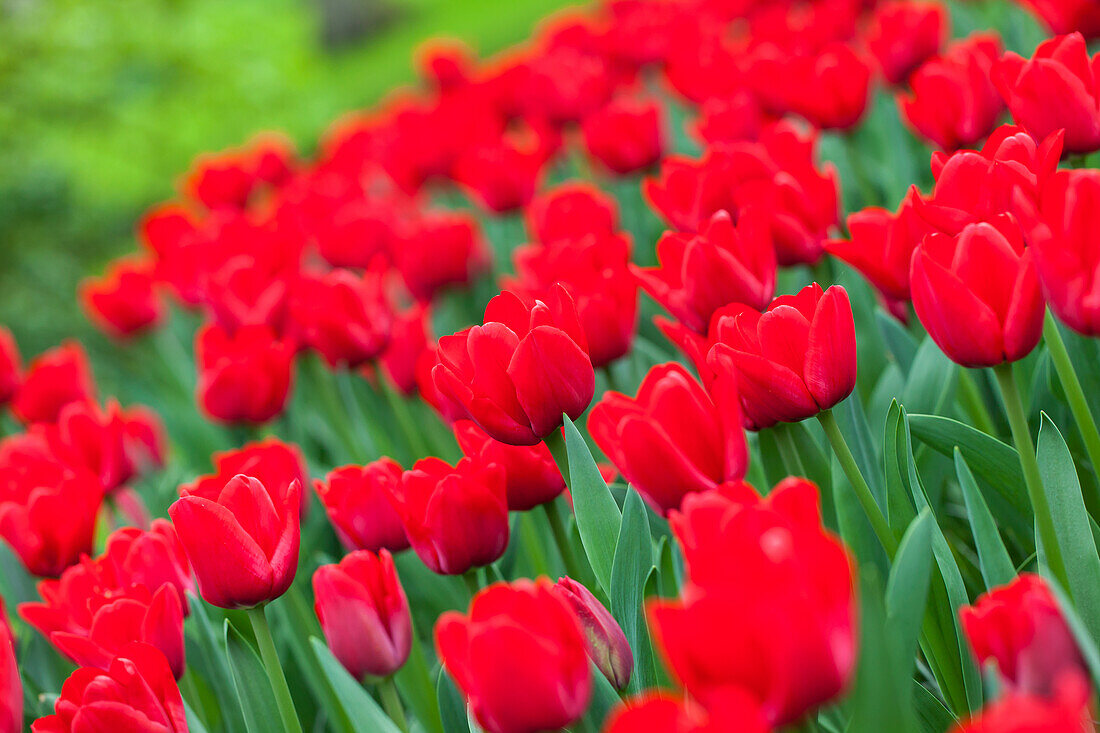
(1072, 387)
(562, 540)
(974, 404)
(788, 451)
(859, 484)
(1021, 436)
(274, 669)
(470, 579)
(391, 703)
(400, 407)
(555, 441)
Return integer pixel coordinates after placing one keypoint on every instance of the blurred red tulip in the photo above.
(570, 211)
(489, 652)
(791, 362)
(520, 371)
(456, 518)
(1058, 88)
(244, 377)
(146, 443)
(604, 638)
(1067, 16)
(441, 249)
(530, 474)
(152, 558)
(1062, 246)
(1068, 712)
(229, 178)
(242, 540)
(123, 302)
(364, 613)
(86, 437)
(445, 63)
(409, 339)
(53, 379)
(343, 316)
(276, 464)
(672, 439)
(11, 366)
(827, 86)
(731, 119)
(359, 503)
(903, 34)
(626, 135)
(11, 683)
(134, 692)
(978, 293)
(732, 709)
(503, 174)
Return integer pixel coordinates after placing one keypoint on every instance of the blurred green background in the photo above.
(104, 103)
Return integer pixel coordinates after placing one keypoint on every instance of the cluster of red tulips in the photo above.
(425, 355)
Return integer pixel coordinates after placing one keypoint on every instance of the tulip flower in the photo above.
(1067, 16)
(564, 83)
(569, 212)
(53, 379)
(124, 301)
(364, 613)
(11, 684)
(502, 175)
(489, 654)
(978, 294)
(673, 439)
(1056, 89)
(789, 597)
(456, 518)
(144, 437)
(516, 374)
(658, 711)
(604, 638)
(358, 500)
(791, 362)
(903, 34)
(242, 541)
(274, 463)
(134, 692)
(409, 339)
(626, 135)
(250, 288)
(724, 263)
(11, 370)
(152, 558)
(93, 439)
(952, 101)
(244, 377)
(346, 318)
(593, 270)
(441, 249)
(828, 87)
(1066, 261)
(531, 476)
(226, 180)
(1068, 712)
(1020, 626)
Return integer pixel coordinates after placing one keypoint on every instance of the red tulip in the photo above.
(604, 639)
(251, 288)
(442, 248)
(776, 174)
(789, 599)
(530, 474)
(903, 34)
(276, 464)
(345, 317)
(145, 438)
(11, 370)
(364, 613)
(1058, 88)
(672, 439)
(1020, 626)
(229, 178)
(521, 370)
(503, 174)
(736, 118)
(828, 87)
(952, 101)
(242, 541)
(593, 270)
(135, 692)
(791, 362)
(446, 63)
(489, 655)
(47, 510)
(359, 503)
(11, 684)
(978, 294)
(123, 302)
(1067, 16)
(881, 245)
(565, 84)
(626, 135)
(723, 264)
(54, 379)
(456, 518)
(570, 211)
(152, 558)
(447, 408)
(1068, 712)
(86, 437)
(1062, 246)
(244, 377)
(409, 339)
(659, 712)
(92, 613)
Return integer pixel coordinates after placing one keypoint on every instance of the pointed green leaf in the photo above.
(907, 587)
(365, 714)
(931, 380)
(993, 558)
(598, 516)
(452, 708)
(633, 560)
(261, 715)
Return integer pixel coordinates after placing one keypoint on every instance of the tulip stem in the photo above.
(1072, 387)
(391, 703)
(561, 539)
(470, 579)
(859, 484)
(1021, 436)
(274, 669)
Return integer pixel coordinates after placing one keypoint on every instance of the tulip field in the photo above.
(693, 366)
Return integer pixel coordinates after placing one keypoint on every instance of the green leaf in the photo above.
(1086, 642)
(261, 714)
(902, 346)
(194, 723)
(1071, 524)
(669, 576)
(896, 451)
(771, 460)
(633, 560)
(604, 698)
(932, 716)
(414, 682)
(210, 662)
(993, 558)
(931, 380)
(853, 424)
(598, 516)
(452, 708)
(907, 588)
(365, 714)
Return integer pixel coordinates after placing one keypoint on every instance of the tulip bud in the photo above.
(1068, 711)
(364, 613)
(455, 518)
(123, 302)
(54, 379)
(152, 558)
(95, 439)
(242, 541)
(490, 653)
(244, 377)
(11, 684)
(272, 462)
(626, 135)
(359, 502)
(1067, 16)
(604, 638)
